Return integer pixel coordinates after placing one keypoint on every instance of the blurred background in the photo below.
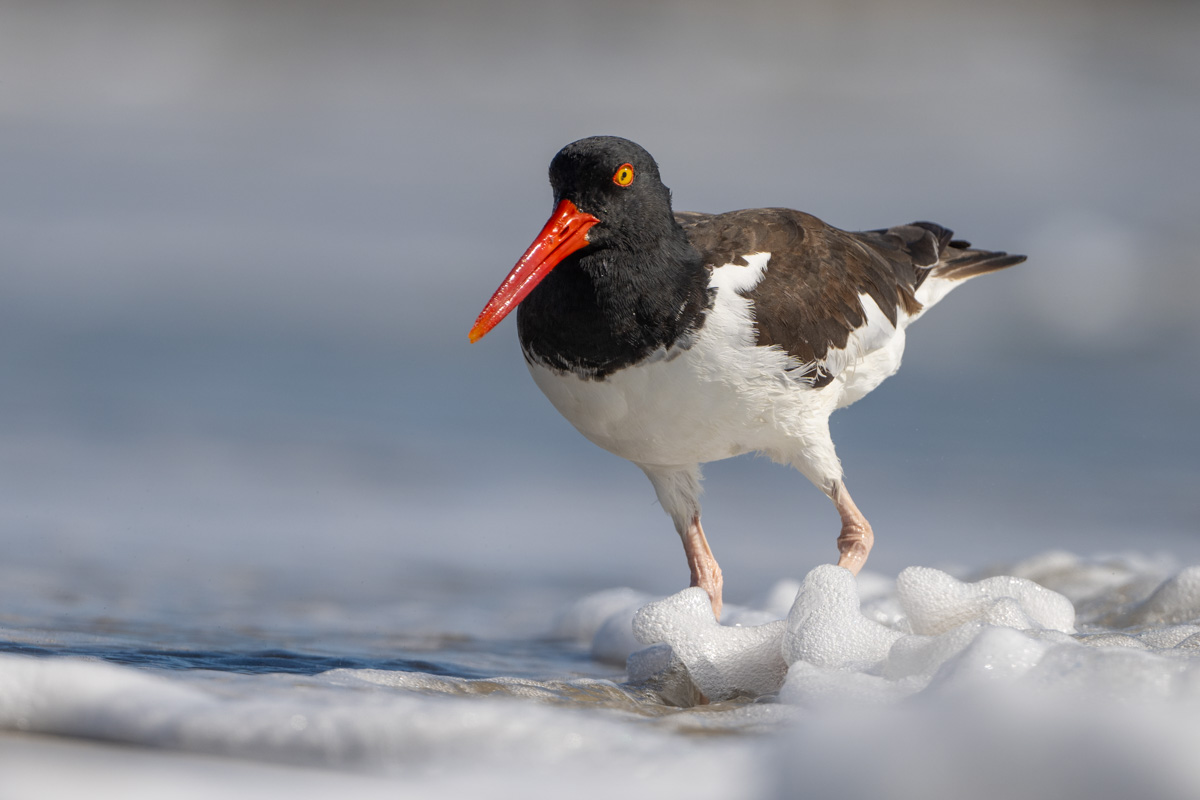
(241, 245)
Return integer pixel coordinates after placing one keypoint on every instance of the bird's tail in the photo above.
(958, 261)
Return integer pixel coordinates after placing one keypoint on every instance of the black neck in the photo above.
(606, 308)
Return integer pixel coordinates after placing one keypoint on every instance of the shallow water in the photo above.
(274, 685)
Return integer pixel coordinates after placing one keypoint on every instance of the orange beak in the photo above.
(564, 233)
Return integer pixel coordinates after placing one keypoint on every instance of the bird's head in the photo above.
(607, 193)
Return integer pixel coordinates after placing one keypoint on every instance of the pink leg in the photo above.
(705, 572)
(856, 538)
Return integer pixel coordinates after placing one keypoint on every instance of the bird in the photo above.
(673, 339)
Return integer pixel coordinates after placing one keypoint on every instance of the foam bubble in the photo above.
(1176, 600)
(935, 602)
(920, 656)
(993, 655)
(723, 661)
(1079, 578)
(1173, 636)
(825, 627)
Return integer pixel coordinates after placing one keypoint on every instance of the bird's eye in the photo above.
(624, 175)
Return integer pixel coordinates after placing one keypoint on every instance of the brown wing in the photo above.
(808, 301)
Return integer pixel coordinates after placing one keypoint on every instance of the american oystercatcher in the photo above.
(674, 338)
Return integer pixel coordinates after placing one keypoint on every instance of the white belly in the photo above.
(718, 398)
(666, 413)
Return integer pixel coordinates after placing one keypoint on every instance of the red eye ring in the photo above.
(624, 175)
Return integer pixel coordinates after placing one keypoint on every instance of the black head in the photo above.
(629, 280)
(616, 181)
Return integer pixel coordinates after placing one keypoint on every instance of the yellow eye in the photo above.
(624, 175)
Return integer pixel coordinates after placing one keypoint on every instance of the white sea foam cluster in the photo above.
(873, 640)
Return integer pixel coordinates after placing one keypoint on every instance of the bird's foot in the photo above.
(856, 538)
(854, 544)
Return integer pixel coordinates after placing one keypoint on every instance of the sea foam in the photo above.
(1057, 676)
(933, 632)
